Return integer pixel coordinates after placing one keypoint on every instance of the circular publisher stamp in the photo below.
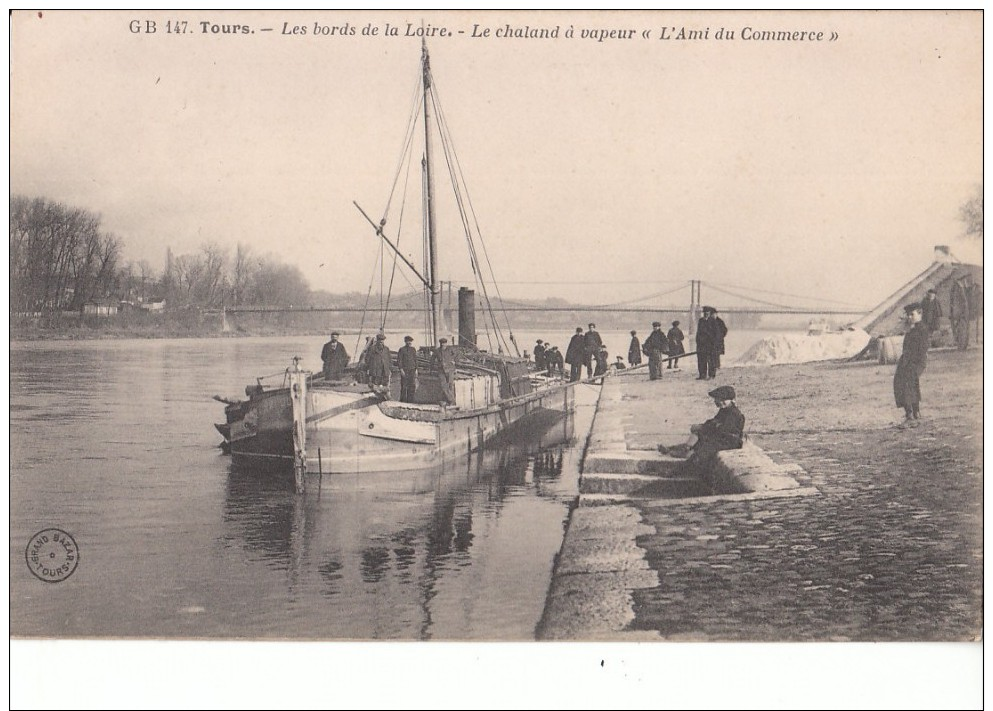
(52, 555)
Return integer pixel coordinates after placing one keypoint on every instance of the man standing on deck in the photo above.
(575, 355)
(634, 350)
(407, 363)
(539, 355)
(444, 365)
(592, 343)
(335, 358)
(378, 363)
(554, 362)
(656, 345)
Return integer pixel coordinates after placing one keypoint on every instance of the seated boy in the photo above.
(725, 430)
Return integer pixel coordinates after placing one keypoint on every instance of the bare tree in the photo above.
(971, 213)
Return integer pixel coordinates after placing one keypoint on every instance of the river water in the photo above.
(113, 442)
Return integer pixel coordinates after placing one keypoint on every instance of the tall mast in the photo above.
(433, 284)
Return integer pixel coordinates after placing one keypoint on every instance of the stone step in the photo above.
(642, 485)
(623, 462)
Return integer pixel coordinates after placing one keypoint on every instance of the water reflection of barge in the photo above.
(379, 547)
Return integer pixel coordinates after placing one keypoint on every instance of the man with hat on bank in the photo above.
(656, 345)
(675, 338)
(407, 363)
(706, 344)
(913, 360)
(725, 430)
(335, 358)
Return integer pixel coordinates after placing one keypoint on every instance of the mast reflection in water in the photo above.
(463, 551)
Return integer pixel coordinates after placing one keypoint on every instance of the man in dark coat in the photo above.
(378, 363)
(675, 338)
(539, 355)
(575, 355)
(656, 345)
(725, 430)
(591, 346)
(602, 362)
(913, 360)
(335, 358)
(444, 365)
(706, 340)
(720, 331)
(634, 350)
(554, 361)
(961, 311)
(931, 311)
(407, 363)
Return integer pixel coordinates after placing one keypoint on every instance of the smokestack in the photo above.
(467, 317)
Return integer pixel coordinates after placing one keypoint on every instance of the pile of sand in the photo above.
(801, 348)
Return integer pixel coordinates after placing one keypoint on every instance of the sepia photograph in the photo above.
(623, 339)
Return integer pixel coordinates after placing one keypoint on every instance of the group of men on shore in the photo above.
(586, 350)
(710, 334)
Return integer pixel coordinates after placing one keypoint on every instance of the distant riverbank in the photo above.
(175, 324)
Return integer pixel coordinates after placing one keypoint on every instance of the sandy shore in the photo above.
(888, 548)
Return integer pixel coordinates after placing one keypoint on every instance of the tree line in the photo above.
(61, 259)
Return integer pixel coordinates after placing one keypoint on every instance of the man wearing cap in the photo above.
(575, 355)
(725, 430)
(539, 355)
(592, 343)
(656, 345)
(675, 338)
(602, 361)
(444, 365)
(554, 361)
(634, 350)
(706, 345)
(378, 362)
(407, 363)
(931, 311)
(335, 358)
(913, 360)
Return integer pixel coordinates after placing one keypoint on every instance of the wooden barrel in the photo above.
(890, 349)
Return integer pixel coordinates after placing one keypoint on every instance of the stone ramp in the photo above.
(601, 564)
(635, 415)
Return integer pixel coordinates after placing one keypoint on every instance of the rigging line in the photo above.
(399, 233)
(797, 296)
(479, 232)
(447, 149)
(650, 296)
(365, 307)
(408, 139)
(459, 184)
(750, 298)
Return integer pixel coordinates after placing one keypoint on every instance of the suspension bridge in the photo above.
(727, 299)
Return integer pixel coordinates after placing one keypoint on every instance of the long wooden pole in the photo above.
(429, 187)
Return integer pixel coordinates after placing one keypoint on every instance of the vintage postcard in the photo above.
(625, 329)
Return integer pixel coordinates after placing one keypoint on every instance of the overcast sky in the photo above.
(827, 168)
